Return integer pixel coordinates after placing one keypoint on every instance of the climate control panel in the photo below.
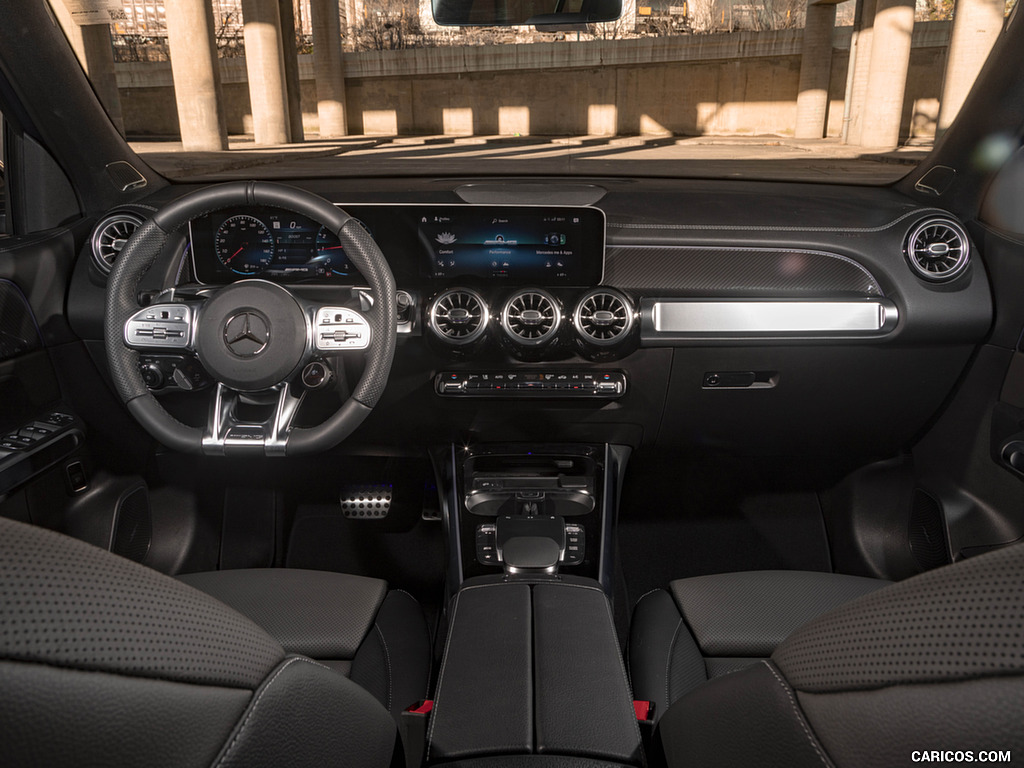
(543, 384)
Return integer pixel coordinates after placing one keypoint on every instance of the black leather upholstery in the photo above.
(65, 603)
(708, 626)
(399, 637)
(106, 662)
(718, 725)
(533, 668)
(933, 664)
(488, 658)
(351, 624)
(318, 614)
(583, 700)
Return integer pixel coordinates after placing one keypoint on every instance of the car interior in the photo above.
(505, 470)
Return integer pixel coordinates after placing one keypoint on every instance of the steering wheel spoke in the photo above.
(162, 327)
(339, 329)
(227, 433)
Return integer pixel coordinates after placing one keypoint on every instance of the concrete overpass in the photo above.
(879, 62)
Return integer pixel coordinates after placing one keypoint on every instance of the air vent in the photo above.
(458, 316)
(603, 317)
(531, 317)
(109, 238)
(938, 249)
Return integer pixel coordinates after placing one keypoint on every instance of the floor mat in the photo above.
(702, 522)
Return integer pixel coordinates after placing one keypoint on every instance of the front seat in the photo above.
(106, 662)
(375, 637)
(707, 626)
(930, 669)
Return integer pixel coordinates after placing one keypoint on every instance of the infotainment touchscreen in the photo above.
(536, 245)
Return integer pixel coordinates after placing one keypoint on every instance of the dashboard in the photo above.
(699, 316)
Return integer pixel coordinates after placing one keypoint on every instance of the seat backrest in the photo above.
(106, 662)
(932, 664)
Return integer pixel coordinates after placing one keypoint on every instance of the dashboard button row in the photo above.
(558, 383)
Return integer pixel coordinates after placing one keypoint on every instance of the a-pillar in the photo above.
(95, 51)
(329, 66)
(264, 66)
(976, 26)
(196, 72)
(815, 70)
(887, 75)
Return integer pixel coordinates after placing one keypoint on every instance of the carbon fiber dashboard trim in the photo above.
(725, 271)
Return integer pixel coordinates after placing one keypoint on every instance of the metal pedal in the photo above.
(366, 502)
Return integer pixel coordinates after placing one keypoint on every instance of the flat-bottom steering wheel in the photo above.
(252, 336)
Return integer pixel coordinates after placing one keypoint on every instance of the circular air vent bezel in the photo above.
(509, 317)
(104, 253)
(919, 261)
(435, 324)
(582, 312)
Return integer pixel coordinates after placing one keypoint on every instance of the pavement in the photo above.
(755, 157)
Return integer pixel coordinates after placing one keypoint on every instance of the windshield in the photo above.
(775, 89)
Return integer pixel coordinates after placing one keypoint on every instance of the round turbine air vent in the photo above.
(458, 316)
(109, 238)
(531, 317)
(603, 317)
(938, 249)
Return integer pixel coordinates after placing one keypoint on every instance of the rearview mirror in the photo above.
(510, 13)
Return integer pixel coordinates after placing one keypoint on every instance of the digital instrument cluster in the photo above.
(276, 245)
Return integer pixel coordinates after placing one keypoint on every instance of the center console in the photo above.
(532, 669)
(498, 495)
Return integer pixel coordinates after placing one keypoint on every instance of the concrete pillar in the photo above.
(857, 79)
(95, 51)
(291, 69)
(815, 71)
(196, 72)
(329, 65)
(976, 27)
(887, 74)
(264, 66)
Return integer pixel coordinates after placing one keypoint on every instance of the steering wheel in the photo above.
(252, 336)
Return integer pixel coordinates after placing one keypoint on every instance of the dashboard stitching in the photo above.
(751, 228)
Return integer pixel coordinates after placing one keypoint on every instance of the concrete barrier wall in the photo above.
(744, 83)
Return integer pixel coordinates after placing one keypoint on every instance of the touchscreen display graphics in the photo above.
(541, 246)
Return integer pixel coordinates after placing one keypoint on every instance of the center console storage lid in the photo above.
(484, 699)
(533, 668)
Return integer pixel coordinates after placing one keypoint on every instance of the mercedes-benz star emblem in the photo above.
(247, 334)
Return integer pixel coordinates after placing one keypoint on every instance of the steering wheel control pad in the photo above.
(252, 335)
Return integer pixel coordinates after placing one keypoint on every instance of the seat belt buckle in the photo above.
(644, 711)
(413, 729)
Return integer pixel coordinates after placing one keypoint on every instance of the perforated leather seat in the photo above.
(933, 664)
(708, 626)
(106, 662)
(352, 624)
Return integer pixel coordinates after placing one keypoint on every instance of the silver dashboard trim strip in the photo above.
(710, 318)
